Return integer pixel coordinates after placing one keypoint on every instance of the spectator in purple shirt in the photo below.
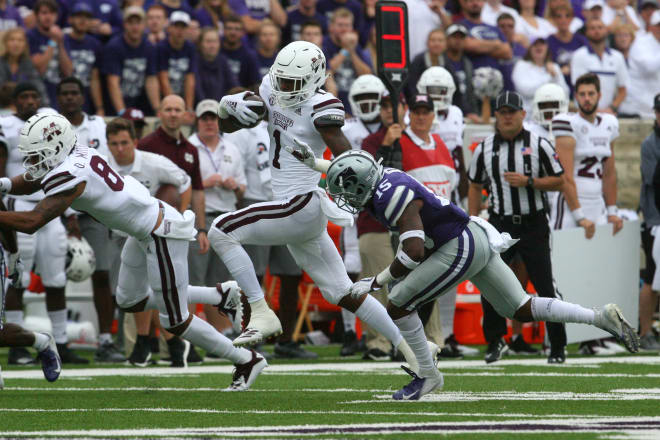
(131, 66)
(156, 23)
(9, 16)
(269, 39)
(564, 42)
(175, 5)
(85, 53)
(211, 13)
(506, 24)
(214, 78)
(346, 59)
(106, 20)
(26, 9)
(47, 49)
(15, 63)
(242, 61)
(177, 64)
(304, 11)
(485, 44)
(252, 13)
(328, 7)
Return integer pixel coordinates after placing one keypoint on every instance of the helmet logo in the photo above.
(316, 63)
(346, 178)
(50, 131)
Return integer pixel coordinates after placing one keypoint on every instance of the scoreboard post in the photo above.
(392, 48)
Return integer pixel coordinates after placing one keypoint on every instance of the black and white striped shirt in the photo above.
(527, 154)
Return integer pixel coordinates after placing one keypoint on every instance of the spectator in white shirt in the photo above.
(534, 70)
(423, 17)
(607, 63)
(552, 6)
(531, 25)
(646, 10)
(494, 8)
(618, 12)
(644, 61)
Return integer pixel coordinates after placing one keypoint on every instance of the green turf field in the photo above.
(518, 397)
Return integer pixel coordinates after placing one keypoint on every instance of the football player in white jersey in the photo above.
(90, 131)
(46, 249)
(299, 113)
(364, 96)
(585, 145)
(155, 254)
(549, 101)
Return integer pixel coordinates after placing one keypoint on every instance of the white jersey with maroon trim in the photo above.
(289, 176)
(9, 134)
(91, 132)
(592, 148)
(539, 130)
(356, 130)
(118, 203)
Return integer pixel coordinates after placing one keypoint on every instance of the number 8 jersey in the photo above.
(289, 177)
(119, 203)
(592, 149)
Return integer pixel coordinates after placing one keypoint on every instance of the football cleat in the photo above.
(51, 364)
(245, 374)
(20, 356)
(496, 349)
(419, 386)
(231, 303)
(611, 319)
(264, 324)
(434, 349)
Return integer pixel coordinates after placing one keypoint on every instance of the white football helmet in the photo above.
(296, 74)
(549, 101)
(437, 82)
(488, 82)
(367, 107)
(80, 259)
(45, 141)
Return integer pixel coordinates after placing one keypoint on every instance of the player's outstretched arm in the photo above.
(46, 210)
(334, 138)
(18, 185)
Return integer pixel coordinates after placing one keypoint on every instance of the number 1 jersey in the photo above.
(118, 203)
(290, 177)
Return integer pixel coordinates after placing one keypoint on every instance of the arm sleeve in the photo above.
(477, 171)
(562, 127)
(549, 161)
(328, 112)
(168, 172)
(57, 182)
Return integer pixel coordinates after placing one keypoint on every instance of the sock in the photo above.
(412, 331)
(203, 295)
(374, 314)
(349, 320)
(105, 338)
(40, 341)
(202, 334)
(14, 317)
(58, 321)
(240, 266)
(446, 305)
(556, 310)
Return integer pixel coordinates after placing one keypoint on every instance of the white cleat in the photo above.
(611, 319)
(434, 349)
(231, 305)
(264, 324)
(245, 374)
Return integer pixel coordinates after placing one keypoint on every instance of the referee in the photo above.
(518, 166)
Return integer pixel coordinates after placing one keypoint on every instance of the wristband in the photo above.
(578, 215)
(385, 277)
(613, 210)
(52, 43)
(321, 165)
(5, 185)
(204, 230)
(345, 52)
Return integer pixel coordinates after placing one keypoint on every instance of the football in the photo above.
(260, 111)
(169, 194)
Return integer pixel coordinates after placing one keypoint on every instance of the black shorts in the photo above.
(647, 246)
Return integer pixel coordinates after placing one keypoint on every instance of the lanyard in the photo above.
(210, 155)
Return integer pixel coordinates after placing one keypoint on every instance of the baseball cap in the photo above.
(656, 102)
(180, 17)
(135, 115)
(82, 8)
(25, 87)
(421, 100)
(645, 3)
(590, 4)
(134, 11)
(655, 18)
(509, 99)
(206, 106)
(452, 29)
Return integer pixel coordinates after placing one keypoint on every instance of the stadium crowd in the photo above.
(108, 65)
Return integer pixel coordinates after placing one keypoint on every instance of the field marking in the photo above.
(599, 425)
(169, 389)
(351, 367)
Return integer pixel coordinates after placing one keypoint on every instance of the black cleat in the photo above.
(193, 357)
(557, 356)
(496, 350)
(20, 356)
(519, 346)
(108, 353)
(376, 354)
(292, 350)
(450, 350)
(141, 354)
(179, 350)
(70, 357)
(351, 344)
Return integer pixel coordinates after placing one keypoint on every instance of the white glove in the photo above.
(365, 285)
(234, 105)
(303, 153)
(15, 269)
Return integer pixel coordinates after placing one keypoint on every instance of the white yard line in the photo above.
(352, 367)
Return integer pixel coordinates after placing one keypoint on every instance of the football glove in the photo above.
(235, 105)
(303, 153)
(365, 285)
(15, 269)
